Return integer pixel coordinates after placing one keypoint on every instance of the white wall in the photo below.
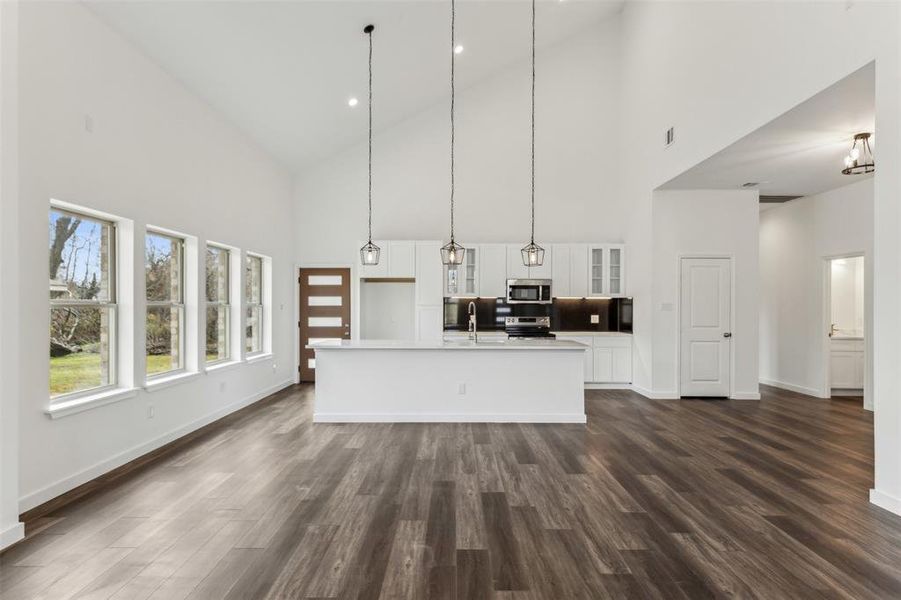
(695, 223)
(10, 528)
(387, 310)
(577, 161)
(795, 239)
(719, 70)
(157, 155)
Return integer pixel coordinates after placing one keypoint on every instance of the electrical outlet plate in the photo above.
(595, 319)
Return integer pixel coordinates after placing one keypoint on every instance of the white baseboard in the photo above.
(654, 394)
(807, 391)
(11, 535)
(448, 418)
(745, 396)
(62, 486)
(608, 386)
(883, 500)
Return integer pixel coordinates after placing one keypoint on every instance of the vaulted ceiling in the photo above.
(284, 71)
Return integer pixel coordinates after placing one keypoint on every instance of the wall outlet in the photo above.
(151, 411)
(221, 387)
(595, 319)
(275, 366)
(461, 389)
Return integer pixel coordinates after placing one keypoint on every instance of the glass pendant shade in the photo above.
(859, 160)
(452, 253)
(532, 255)
(369, 254)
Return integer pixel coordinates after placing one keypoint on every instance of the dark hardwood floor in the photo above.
(653, 499)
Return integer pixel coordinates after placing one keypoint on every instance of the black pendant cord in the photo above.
(453, 65)
(533, 123)
(368, 31)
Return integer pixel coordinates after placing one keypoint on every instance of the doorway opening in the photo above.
(845, 344)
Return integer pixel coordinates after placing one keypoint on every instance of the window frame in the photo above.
(249, 304)
(111, 304)
(180, 305)
(225, 306)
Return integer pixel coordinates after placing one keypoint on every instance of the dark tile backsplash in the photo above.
(569, 314)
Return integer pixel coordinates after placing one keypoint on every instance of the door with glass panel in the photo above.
(324, 312)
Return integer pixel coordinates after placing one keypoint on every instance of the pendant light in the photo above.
(369, 253)
(532, 253)
(452, 253)
(860, 159)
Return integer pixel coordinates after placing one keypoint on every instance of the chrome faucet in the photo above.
(473, 326)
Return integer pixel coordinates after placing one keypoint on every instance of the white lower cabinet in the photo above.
(608, 358)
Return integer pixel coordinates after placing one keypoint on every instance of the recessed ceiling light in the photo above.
(353, 102)
(458, 49)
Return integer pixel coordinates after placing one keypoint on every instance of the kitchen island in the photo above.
(498, 381)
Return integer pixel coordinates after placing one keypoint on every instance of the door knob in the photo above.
(728, 334)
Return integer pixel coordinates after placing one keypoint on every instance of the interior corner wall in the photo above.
(577, 158)
(10, 528)
(705, 223)
(795, 239)
(101, 125)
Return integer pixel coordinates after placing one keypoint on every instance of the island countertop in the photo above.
(482, 345)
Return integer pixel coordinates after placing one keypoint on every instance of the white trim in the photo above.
(745, 396)
(222, 365)
(886, 501)
(83, 403)
(654, 394)
(807, 391)
(258, 357)
(591, 385)
(11, 535)
(62, 486)
(159, 383)
(417, 417)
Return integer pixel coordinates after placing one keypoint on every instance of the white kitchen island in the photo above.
(509, 381)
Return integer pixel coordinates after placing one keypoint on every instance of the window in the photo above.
(165, 281)
(253, 296)
(217, 303)
(82, 303)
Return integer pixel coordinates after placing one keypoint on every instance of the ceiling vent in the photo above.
(777, 199)
(750, 184)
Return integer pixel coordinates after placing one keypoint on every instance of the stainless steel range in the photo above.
(528, 327)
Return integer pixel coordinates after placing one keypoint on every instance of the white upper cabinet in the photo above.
(578, 270)
(515, 268)
(606, 270)
(401, 259)
(463, 279)
(597, 263)
(428, 273)
(561, 267)
(492, 270)
(545, 271)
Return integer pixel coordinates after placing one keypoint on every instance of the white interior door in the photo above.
(705, 329)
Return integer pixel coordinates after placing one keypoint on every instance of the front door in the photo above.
(706, 309)
(324, 312)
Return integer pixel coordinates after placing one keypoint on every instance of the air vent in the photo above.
(670, 137)
(750, 184)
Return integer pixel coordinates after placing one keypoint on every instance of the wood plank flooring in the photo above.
(652, 499)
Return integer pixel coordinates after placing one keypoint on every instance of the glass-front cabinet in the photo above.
(463, 279)
(606, 270)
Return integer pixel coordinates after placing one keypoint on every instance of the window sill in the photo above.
(255, 358)
(169, 380)
(225, 365)
(71, 407)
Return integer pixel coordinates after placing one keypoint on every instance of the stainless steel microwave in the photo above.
(529, 291)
